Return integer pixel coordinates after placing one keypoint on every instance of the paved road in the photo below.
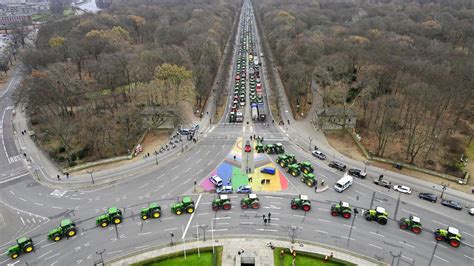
(36, 208)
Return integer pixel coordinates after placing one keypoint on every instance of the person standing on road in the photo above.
(269, 217)
(59, 178)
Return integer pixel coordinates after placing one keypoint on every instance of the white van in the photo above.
(343, 183)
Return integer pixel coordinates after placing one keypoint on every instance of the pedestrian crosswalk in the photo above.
(30, 219)
(58, 193)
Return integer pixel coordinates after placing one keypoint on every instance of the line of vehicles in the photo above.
(247, 54)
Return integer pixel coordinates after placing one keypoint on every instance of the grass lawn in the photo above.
(206, 259)
(303, 259)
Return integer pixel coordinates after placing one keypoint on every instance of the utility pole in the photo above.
(443, 189)
(310, 139)
(396, 208)
(434, 251)
(395, 256)
(203, 228)
(91, 172)
(100, 254)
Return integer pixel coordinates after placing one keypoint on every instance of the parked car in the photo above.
(268, 170)
(224, 190)
(402, 189)
(318, 154)
(337, 165)
(452, 204)
(428, 196)
(244, 189)
(357, 173)
(471, 211)
(216, 180)
(383, 183)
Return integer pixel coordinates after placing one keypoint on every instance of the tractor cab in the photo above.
(270, 148)
(279, 148)
(259, 148)
(304, 197)
(223, 197)
(345, 205)
(252, 196)
(380, 211)
(453, 231)
(306, 167)
(187, 201)
(415, 219)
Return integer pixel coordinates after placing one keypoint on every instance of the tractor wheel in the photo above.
(215, 208)
(190, 209)
(305, 171)
(117, 220)
(454, 243)
(71, 232)
(227, 206)
(368, 217)
(144, 217)
(382, 221)
(282, 165)
(309, 183)
(346, 215)
(156, 214)
(306, 208)
(334, 213)
(255, 205)
(244, 206)
(438, 237)
(403, 225)
(416, 230)
(104, 224)
(178, 212)
(28, 248)
(56, 237)
(294, 206)
(14, 256)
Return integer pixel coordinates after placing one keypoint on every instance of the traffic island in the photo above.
(286, 256)
(205, 257)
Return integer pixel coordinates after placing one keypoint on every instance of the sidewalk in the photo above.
(255, 250)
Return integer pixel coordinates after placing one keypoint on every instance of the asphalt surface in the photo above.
(31, 209)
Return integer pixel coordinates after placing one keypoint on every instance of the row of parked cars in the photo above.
(385, 183)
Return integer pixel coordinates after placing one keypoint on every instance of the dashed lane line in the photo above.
(438, 257)
(170, 229)
(143, 234)
(45, 254)
(464, 232)
(357, 191)
(468, 257)
(408, 258)
(410, 212)
(346, 237)
(377, 234)
(322, 220)
(267, 230)
(50, 257)
(320, 231)
(22, 199)
(141, 247)
(440, 223)
(39, 204)
(145, 185)
(375, 246)
(406, 244)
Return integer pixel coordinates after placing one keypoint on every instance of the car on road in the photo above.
(428, 196)
(224, 190)
(402, 189)
(383, 183)
(357, 173)
(337, 165)
(318, 154)
(452, 204)
(216, 180)
(248, 148)
(471, 211)
(268, 170)
(244, 189)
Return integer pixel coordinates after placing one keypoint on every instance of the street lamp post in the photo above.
(100, 254)
(434, 251)
(443, 189)
(352, 225)
(91, 173)
(310, 139)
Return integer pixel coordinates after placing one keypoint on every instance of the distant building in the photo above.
(334, 118)
(23, 8)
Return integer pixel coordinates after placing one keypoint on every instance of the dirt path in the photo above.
(345, 145)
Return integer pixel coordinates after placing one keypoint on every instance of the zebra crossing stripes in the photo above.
(14, 159)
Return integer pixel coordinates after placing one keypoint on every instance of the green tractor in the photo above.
(450, 235)
(259, 148)
(270, 148)
(378, 214)
(250, 201)
(306, 167)
(294, 169)
(223, 202)
(285, 160)
(341, 209)
(23, 245)
(186, 204)
(113, 215)
(309, 179)
(412, 223)
(66, 228)
(279, 148)
(302, 202)
(153, 210)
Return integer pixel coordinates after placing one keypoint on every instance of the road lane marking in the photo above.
(322, 220)
(375, 246)
(23, 221)
(348, 238)
(357, 191)
(174, 178)
(408, 258)
(324, 232)
(205, 213)
(45, 254)
(142, 187)
(438, 257)
(142, 234)
(217, 230)
(438, 245)
(464, 232)
(175, 167)
(322, 209)
(13, 178)
(47, 245)
(377, 234)
(301, 216)
(140, 247)
(113, 252)
(410, 212)
(404, 243)
(11, 192)
(22, 199)
(39, 204)
(192, 216)
(440, 223)
(221, 218)
(268, 230)
(348, 225)
(170, 229)
(468, 257)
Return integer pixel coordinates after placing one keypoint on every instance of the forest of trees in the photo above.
(90, 76)
(405, 66)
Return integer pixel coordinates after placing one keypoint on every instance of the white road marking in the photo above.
(167, 218)
(187, 170)
(11, 192)
(440, 223)
(322, 209)
(222, 223)
(348, 225)
(464, 232)
(268, 230)
(140, 247)
(170, 229)
(357, 191)
(438, 257)
(375, 246)
(174, 178)
(404, 243)
(75, 198)
(54, 263)
(13, 178)
(468, 257)
(47, 245)
(45, 254)
(377, 234)
(164, 174)
(324, 232)
(22, 199)
(322, 220)
(296, 215)
(205, 213)
(348, 237)
(142, 187)
(410, 212)
(407, 232)
(192, 216)
(39, 204)
(438, 245)
(408, 258)
(23, 221)
(175, 167)
(54, 207)
(146, 233)
(221, 218)
(113, 252)
(79, 261)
